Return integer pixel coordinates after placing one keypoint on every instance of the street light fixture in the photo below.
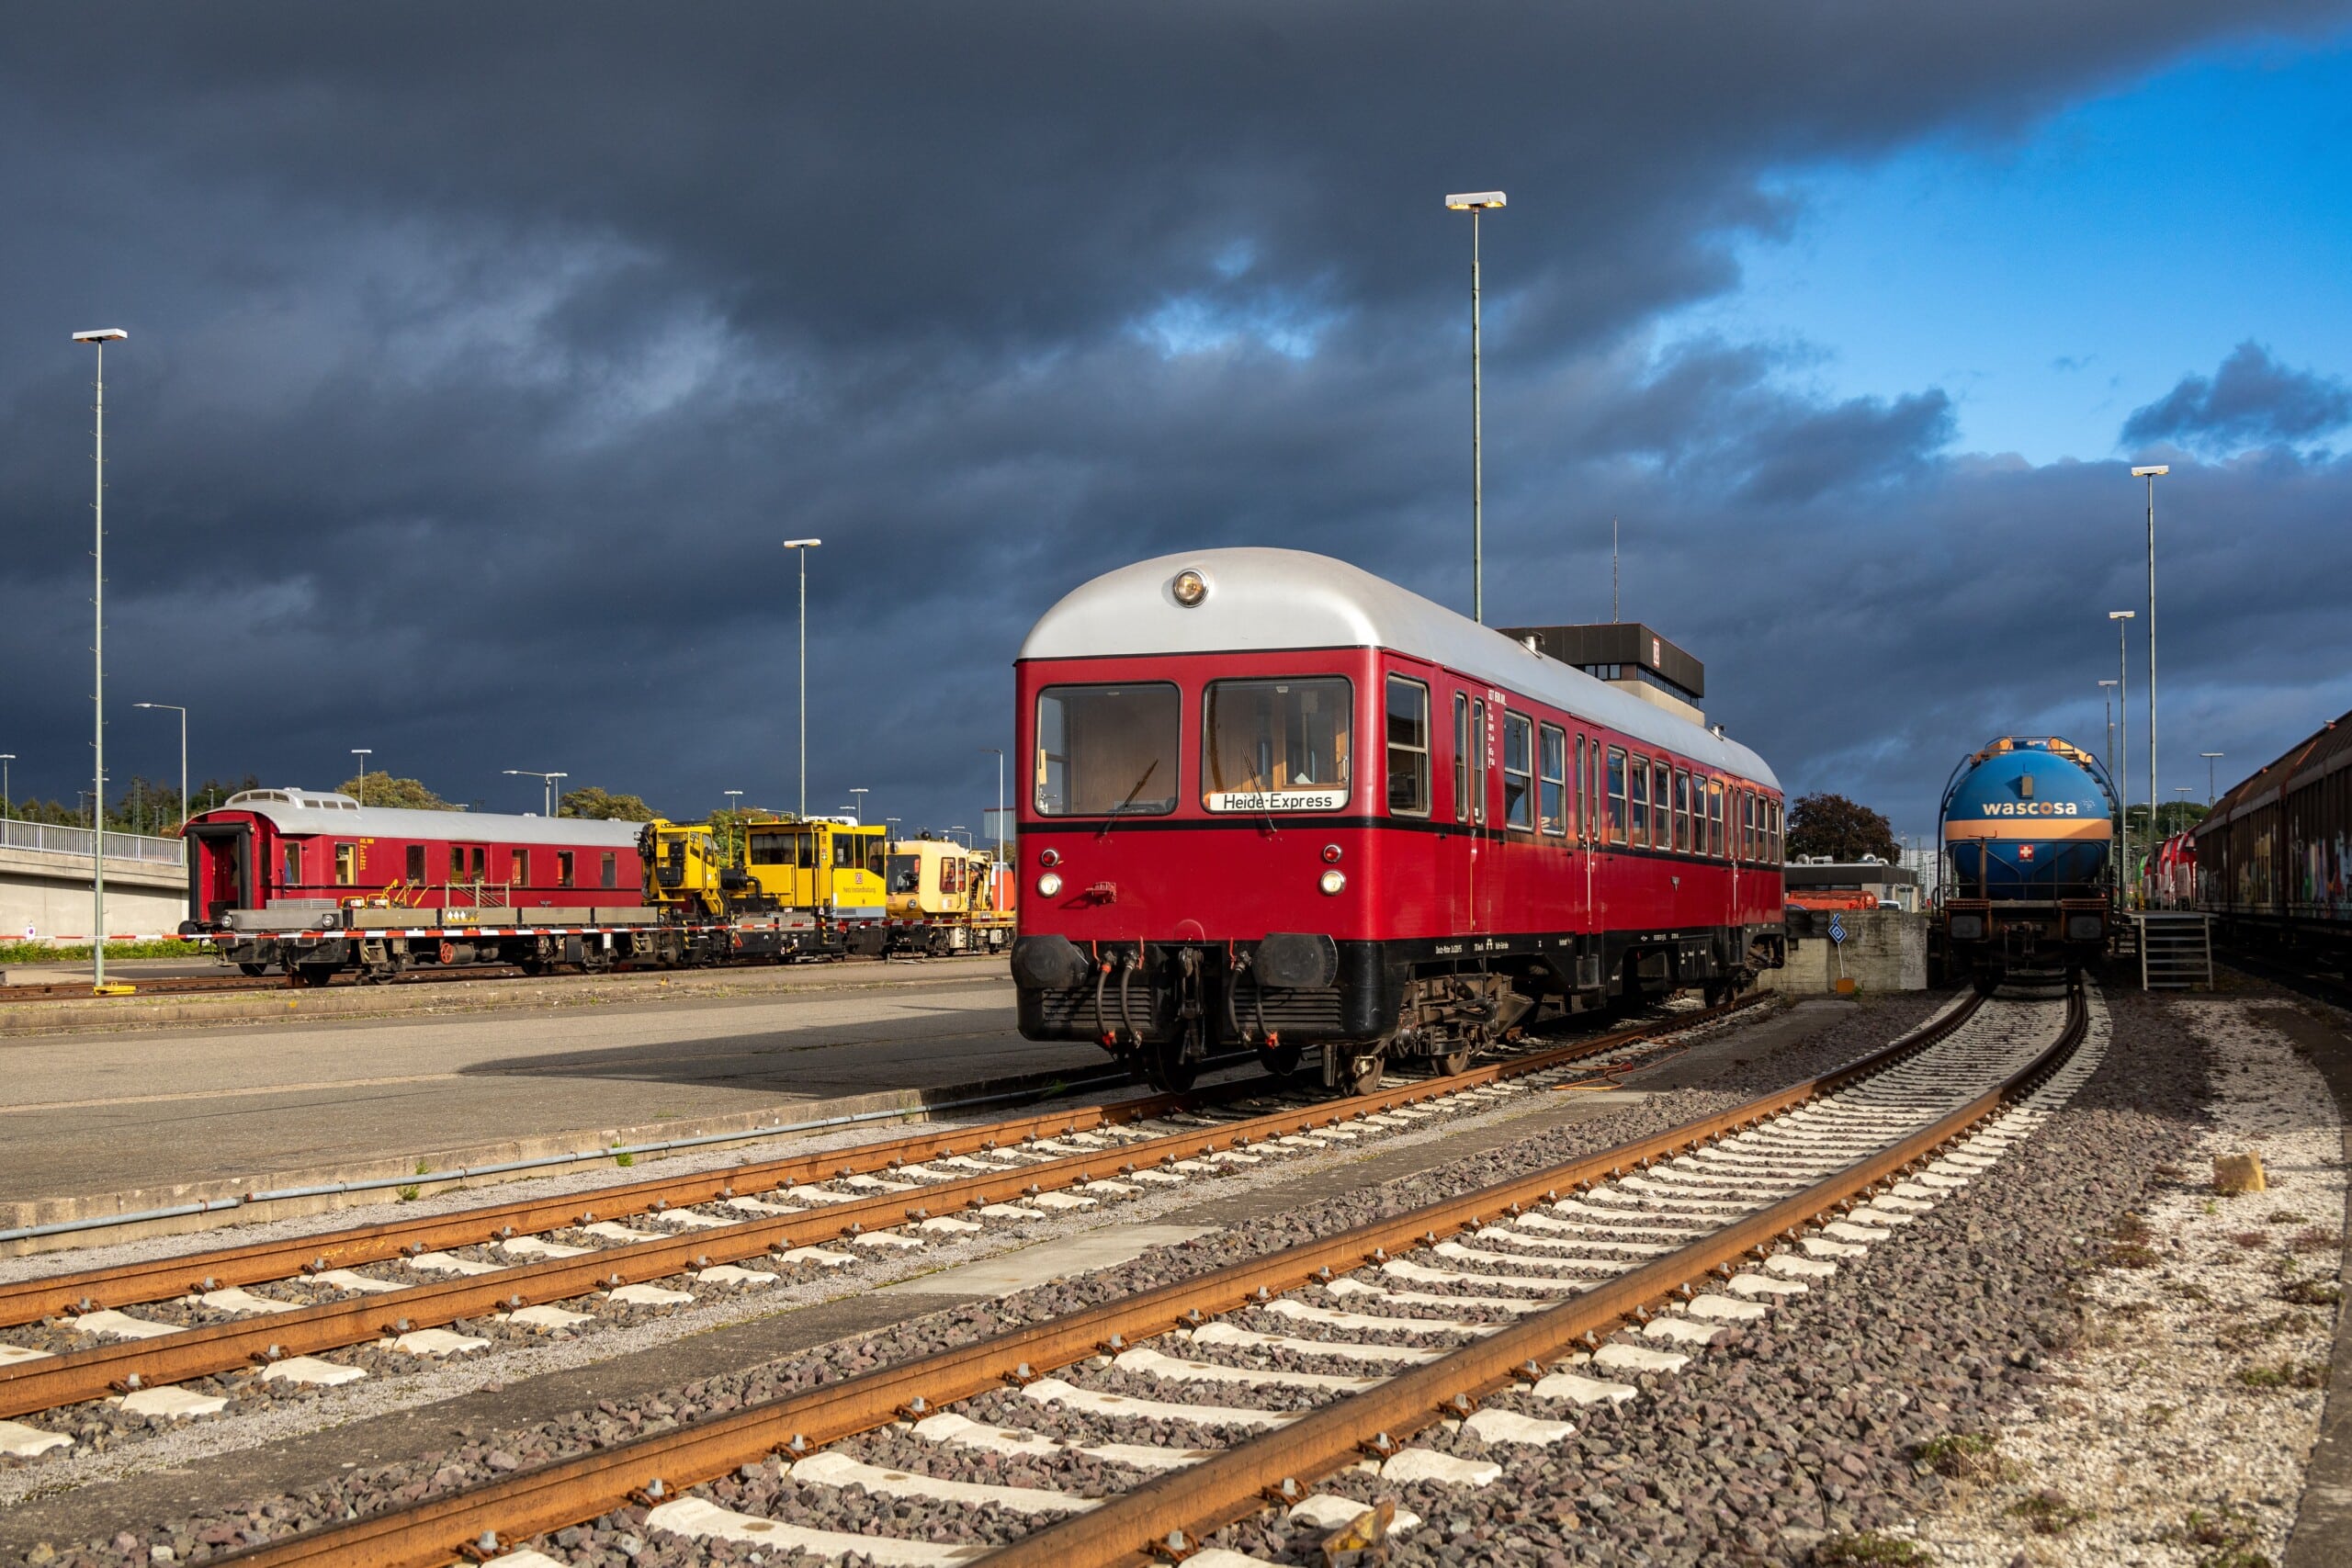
(960, 828)
(547, 783)
(174, 707)
(803, 546)
(1475, 203)
(2152, 473)
(2123, 743)
(2210, 758)
(363, 753)
(733, 797)
(858, 810)
(97, 339)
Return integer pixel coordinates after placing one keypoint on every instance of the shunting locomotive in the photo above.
(1275, 802)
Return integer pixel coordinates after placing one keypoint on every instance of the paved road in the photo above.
(91, 1113)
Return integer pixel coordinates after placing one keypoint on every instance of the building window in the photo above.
(1409, 748)
(1681, 811)
(346, 866)
(417, 864)
(519, 871)
(1553, 806)
(564, 868)
(1518, 772)
(1616, 795)
(612, 870)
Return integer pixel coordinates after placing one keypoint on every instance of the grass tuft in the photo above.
(2311, 1293)
(2049, 1513)
(1870, 1550)
(2317, 1239)
(1964, 1456)
(2286, 1374)
(2288, 1217)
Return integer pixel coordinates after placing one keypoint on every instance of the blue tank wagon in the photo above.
(2027, 825)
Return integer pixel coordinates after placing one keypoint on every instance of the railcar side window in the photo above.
(416, 864)
(1409, 748)
(611, 871)
(1518, 772)
(293, 866)
(1460, 758)
(1715, 818)
(564, 868)
(1681, 810)
(1662, 795)
(1583, 803)
(346, 864)
(1277, 745)
(1106, 750)
(521, 872)
(1641, 814)
(1554, 805)
(1616, 796)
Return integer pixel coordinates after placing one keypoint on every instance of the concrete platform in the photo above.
(145, 1119)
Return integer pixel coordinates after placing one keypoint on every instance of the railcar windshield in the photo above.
(1107, 750)
(1276, 745)
(905, 874)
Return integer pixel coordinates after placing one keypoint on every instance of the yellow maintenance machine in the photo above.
(947, 898)
(780, 887)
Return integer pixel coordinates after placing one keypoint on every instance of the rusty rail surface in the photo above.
(1138, 1527)
(498, 1513)
(77, 1375)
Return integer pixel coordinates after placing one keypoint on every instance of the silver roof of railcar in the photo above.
(317, 811)
(1268, 600)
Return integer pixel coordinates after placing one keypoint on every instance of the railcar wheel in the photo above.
(1363, 1072)
(1455, 1061)
(253, 970)
(312, 974)
(1166, 1069)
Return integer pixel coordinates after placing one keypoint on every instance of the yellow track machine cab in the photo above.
(944, 898)
(785, 886)
(832, 867)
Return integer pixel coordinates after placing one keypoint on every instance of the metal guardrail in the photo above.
(42, 837)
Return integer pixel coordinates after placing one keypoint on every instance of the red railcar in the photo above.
(317, 882)
(1273, 800)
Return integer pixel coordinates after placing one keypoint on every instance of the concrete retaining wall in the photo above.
(1885, 950)
(45, 895)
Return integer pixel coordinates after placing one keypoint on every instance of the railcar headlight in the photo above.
(1190, 588)
(1049, 886)
(1332, 881)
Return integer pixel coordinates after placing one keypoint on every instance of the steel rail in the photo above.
(128, 1284)
(1172, 1512)
(475, 1520)
(78, 1375)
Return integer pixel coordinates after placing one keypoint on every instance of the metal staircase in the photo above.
(2175, 950)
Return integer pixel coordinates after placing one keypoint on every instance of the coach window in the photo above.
(346, 864)
(1583, 804)
(1715, 818)
(1409, 748)
(519, 871)
(292, 867)
(1616, 796)
(564, 868)
(612, 870)
(417, 864)
(1641, 803)
(1662, 795)
(1518, 772)
(1460, 758)
(1478, 761)
(1276, 745)
(1681, 811)
(457, 863)
(1107, 750)
(1553, 804)
(1776, 855)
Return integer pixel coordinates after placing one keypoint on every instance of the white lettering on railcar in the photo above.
(1279, 800)
(2032, 808)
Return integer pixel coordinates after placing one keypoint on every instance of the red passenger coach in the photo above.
(1274, 801)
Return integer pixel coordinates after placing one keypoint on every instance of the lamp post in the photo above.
(2152, 473)
(802, 546)
(99, 339)
(1475, 203)
(960, 828)
(857, 809)
(996, 855)
(2123, 732)
(363, 753)
(174, 707)
(2107, 695)
(6, 811)
(2210, 758)
(733, 797)
(547, 781)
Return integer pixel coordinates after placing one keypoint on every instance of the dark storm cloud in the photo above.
(482, 355)
(2251, 400)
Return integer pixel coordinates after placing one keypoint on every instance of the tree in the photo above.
(382, 789)
(1843, 829)
(601, 805)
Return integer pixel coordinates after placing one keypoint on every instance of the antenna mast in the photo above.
(1613, 614)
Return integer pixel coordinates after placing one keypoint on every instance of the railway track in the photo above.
(1496, 1312)
(141, 1331)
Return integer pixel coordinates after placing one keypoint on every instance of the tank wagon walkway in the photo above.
(153, 1110)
